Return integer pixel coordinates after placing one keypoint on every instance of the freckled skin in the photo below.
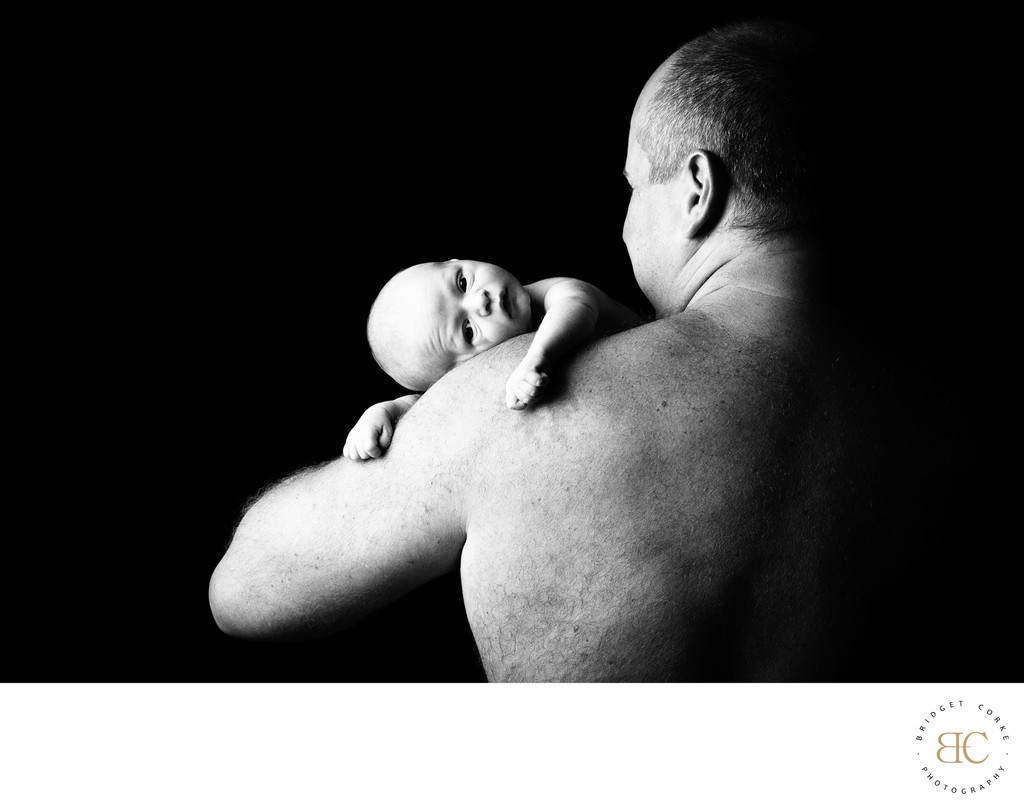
(646, 552)
(596, 540)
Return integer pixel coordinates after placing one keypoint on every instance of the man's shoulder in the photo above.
(685, 375)
(627, 360)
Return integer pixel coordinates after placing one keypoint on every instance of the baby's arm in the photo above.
(572, 311)
(372, 434)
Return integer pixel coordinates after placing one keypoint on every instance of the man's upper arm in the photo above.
(328, 546)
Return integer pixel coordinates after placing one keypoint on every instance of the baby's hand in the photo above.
(371, 435)
(526, 386)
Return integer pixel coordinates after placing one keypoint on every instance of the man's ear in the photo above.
(705, 185)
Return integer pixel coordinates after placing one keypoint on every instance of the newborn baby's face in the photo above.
(468, 306)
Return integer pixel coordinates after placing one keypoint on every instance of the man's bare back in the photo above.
(702, 497)
(674, 512)
(677, 529)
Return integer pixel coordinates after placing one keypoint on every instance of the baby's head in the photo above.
(430, 317)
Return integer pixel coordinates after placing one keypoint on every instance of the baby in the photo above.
(430, 317)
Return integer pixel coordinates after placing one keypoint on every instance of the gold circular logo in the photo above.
(962, 747)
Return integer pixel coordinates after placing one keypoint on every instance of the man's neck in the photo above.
(775, 267)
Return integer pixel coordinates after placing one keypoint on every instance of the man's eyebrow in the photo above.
(625, 174)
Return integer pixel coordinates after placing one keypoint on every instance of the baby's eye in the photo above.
(460, 281)
(467, 331)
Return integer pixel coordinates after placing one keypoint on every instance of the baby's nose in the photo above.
(484, 304)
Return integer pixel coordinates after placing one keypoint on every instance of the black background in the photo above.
(259, 177)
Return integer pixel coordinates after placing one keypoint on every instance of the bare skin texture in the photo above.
(681, 506)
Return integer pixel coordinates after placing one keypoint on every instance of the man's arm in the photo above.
(328, 546)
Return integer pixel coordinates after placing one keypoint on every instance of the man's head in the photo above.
(724, 134)
(430, 317)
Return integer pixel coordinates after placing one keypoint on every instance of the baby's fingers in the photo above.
(369, 448)
(386, 433)
(525, 392)
(350, 451)
(512, 402)
(538, 379)
(362, 444)
(530, 387)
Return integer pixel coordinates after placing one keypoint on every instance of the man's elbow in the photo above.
(248, 604)
(240, 612)
(236, 605)
(239, 589)
(229, 605)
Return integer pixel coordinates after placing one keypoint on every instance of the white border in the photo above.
(324, 745)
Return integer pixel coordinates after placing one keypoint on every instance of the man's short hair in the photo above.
(751, 94)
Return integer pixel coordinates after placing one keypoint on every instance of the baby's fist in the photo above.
(371, 435)
(525, 387)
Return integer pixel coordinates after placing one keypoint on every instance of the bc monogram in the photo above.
(960, 747)
(967, 746)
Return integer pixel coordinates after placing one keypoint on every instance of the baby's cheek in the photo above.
(513, 332)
